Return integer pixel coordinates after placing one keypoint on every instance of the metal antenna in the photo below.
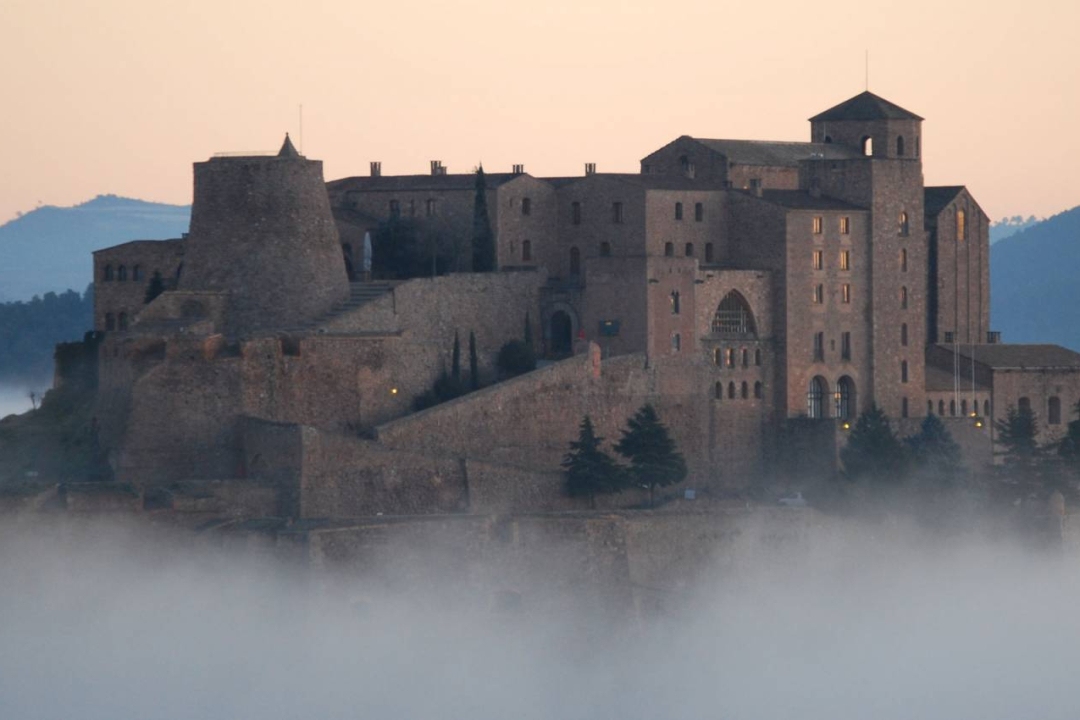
(868, 70)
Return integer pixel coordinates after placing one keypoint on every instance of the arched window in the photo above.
(952, 408)
(730, 357)
(733, 317)
(903, 371)
(1024, 404)
(868, 146)
(122, 321)
(941, 408)
(903, 407)
(845, 398)
(575, 261)
(136, 273)
(903, 259)
(745, 357)
(678, 211)
(961, 225)
(605, 249)
(745, 391)
(757, 357)
(904, 227)
(676, 342)
(689, 249)
(110, 321)
(716, 357)
(526, 250)
(708, 252)
(1053, 411)
(963, 408)
(903, 297)
(674, 302)
(669, 250)
(899, 146)
(108, 274)
(815, 398)
(903, 334)
(731, 390)
(121, 273)
(718, 391)
(758, 390)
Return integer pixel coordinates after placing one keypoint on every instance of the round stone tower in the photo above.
(262, 230)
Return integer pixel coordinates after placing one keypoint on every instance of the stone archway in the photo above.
(560, 334)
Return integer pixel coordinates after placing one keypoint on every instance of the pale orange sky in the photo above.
(121, 96)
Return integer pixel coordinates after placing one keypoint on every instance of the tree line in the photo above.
(29, 332)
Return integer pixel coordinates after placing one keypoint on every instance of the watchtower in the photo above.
(262, 231)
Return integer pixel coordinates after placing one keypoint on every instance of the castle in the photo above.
(759, 294)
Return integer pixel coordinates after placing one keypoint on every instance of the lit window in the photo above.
(674, 302)
(961, 225)
(716, 357)
(819, 294)
(845, 293)
(903, 260)
(729, 356)
(819, 259)
(699, 212)
(904, 227)
(845, 259)
(818, 224)
(845, 226)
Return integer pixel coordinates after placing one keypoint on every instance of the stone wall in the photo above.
(140, 259)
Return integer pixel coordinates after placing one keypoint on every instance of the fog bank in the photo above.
(110, 622)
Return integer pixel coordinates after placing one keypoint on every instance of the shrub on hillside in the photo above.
(515, 358)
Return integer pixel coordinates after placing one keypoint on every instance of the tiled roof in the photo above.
(131, 243)
(866, 106)
(936, 198)
(776, 154)
(941, 380)
(802, 200)
(645, 180)
(414, 183)
(1003, 356)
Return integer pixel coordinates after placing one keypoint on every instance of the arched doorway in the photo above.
(562, 337)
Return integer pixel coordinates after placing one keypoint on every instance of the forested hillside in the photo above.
(29, 331)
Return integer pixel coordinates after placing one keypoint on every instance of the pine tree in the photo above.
(1016, 433)
(455, 361)
(873, 450)
(483, 240)
(589, 470)
(155, 288)
(474, 363)
(654, 459)
(934, 454)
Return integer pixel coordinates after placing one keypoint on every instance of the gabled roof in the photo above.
(643, 180)
(802, 200)
(936, 198)
(866, 106)
(1021, 357)
(407, 183)
(775, 154)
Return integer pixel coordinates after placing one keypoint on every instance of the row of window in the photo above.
(845, 294)
(817, 396)
(121, 273)
(116, 322)
(744, 390)
(431, 208)
(963, 408)
(688, 251)
(617, 212)
(868, 145)
(726, 357)
(819, 260)
(819, 346)
(819, 225)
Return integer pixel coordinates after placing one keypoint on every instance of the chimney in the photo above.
(755, 187)
(437, 168)
(519, 169)
(590, 168)
(376, 168)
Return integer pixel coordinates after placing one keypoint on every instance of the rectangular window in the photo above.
(845, 226)
(845, 346)
(395, 209)
(817, 225)
(845, 293)
(699, 212)
(678, 211)
(819, 259)
(819, 347)
(429, 208)
(708, 252)
(412, 208)
(526, 206)
(575, 213)
(616, 212)
(819, 294)
(845, 259)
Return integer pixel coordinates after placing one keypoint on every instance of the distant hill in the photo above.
(48, 249)
(1007, 227)
(1035, 283)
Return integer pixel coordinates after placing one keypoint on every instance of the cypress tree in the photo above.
(590, 470)
(474, 363)
(654, 459)
(483, 240)
(1016, 432)
(455, 362)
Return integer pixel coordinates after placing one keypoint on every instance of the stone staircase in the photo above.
(360, 293)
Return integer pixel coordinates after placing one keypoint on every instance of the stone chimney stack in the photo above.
(519, 170)
(590, 168)
(437, 168)
(376, 168)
